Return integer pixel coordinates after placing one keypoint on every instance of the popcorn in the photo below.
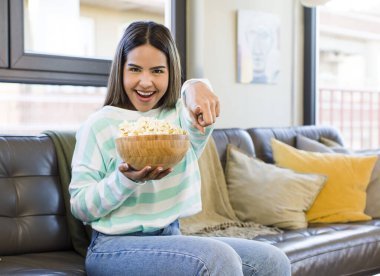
(148, 126)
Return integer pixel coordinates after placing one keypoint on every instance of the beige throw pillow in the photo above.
(269, 195)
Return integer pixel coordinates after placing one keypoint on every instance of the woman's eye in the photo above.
(158, 71)
(134, 69)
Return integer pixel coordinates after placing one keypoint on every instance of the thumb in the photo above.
(123, 167)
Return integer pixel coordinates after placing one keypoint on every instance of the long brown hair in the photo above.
(137, 34)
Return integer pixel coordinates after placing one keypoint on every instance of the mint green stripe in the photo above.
(104, 123)
(86, 177)
(108, 193)
(164, 214)
(181, 167)
(152, 198)
(97, 201)
(174, 210)
(121, 187)
(87, 154)
(91, 142)
(83, 207)
(109, 144)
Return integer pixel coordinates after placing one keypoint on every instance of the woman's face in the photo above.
(145, 77)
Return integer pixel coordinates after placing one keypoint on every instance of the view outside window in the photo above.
(31, 109)
(86, 28)
(349, 70)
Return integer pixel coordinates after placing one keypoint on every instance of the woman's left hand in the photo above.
(203, 105)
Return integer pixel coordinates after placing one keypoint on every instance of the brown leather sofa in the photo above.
(35, 238)
(34, 233)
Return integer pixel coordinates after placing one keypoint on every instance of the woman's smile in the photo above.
(145, 96)
(145, 93)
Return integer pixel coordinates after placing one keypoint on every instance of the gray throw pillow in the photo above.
(304, 143)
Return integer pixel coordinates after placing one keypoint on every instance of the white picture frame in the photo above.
(258, 55)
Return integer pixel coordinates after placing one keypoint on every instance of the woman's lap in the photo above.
(183, 255)
(159, 255)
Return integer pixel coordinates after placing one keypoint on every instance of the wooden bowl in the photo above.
(152, 150)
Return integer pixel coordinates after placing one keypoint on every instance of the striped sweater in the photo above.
(113, 204)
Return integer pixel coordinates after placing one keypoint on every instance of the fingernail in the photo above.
(160, 169)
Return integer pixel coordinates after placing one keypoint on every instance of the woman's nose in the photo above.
(146, 79)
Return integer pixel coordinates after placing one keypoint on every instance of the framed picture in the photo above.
(258, 47)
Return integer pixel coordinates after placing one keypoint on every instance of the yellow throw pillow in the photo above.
(343, 198)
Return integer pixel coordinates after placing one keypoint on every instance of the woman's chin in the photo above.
(144, 107)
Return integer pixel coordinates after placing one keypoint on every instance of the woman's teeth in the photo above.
(144, 94)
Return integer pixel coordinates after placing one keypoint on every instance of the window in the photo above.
(54, 69)
(100, 21)
(347, 66)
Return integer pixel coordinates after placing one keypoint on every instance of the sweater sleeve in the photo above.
(96, 189)
(198, 139)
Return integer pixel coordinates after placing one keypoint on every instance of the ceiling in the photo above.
(155, 6)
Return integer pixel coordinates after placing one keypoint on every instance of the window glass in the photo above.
(83, 28)
(31, 109)
(348, 95)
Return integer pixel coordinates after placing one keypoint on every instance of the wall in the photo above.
(212, 36)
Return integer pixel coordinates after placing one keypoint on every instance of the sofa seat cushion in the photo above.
(49, 263)
(331, 249)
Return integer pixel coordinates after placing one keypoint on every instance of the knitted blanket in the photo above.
(64, 143)
(217, 217)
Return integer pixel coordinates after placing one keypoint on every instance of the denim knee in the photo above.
(274, 263)
(259, 258)
(280, 263)
(220, 258)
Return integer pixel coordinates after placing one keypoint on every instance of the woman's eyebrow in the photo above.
(158, 67)
(134, 65)
(152, 68)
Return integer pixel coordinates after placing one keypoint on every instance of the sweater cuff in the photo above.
(129, 183)
(191, 81)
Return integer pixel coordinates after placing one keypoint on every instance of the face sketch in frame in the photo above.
(258, 47)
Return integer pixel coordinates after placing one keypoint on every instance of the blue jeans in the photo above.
(167, 252)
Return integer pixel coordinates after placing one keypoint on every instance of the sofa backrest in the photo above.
(32, 213)
(261, 137)
(257, 141)
(236, 136)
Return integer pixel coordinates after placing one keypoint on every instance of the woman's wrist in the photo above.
(130, 183)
